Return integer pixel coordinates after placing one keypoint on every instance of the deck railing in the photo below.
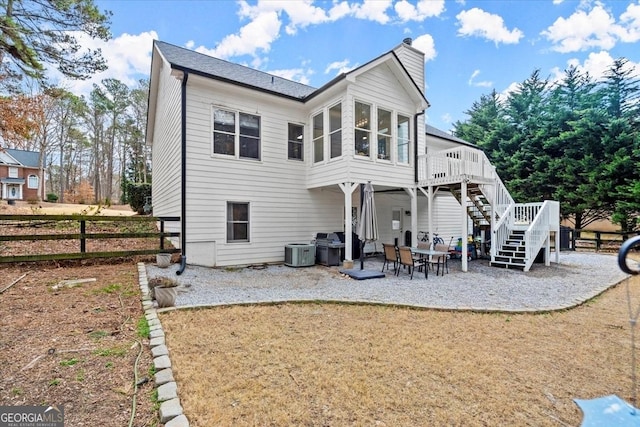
(453, 165)
(539, 229)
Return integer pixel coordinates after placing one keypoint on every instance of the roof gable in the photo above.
(30, 159)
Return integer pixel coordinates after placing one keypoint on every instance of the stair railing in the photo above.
(538, 231)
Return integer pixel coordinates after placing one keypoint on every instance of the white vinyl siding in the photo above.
(166, 146)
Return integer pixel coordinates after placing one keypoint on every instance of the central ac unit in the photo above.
(299, 254)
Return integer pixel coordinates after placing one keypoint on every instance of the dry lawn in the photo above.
(339, 364)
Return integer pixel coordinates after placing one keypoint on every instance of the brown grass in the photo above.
(332, 364)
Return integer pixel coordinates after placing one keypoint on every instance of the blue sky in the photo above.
(471, 47)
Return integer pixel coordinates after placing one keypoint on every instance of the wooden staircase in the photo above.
(518, 231)
(512, 254)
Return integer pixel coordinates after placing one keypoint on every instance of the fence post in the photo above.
(83, 241)
(598, 241)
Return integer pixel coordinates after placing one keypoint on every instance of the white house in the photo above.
(251, 162)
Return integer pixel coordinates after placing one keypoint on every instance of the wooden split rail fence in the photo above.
(70, 237)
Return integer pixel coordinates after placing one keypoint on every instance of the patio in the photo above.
(578, 277)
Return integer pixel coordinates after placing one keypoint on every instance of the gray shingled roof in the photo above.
(430, 130)
(219, 69)
(26, 158)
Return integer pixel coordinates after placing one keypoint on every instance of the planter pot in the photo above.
(165, 297)
(163, 260)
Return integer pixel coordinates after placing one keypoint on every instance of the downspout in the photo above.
(415, 144)
(183, 181)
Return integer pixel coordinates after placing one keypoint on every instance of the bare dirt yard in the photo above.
(343, 364)
(78, 345)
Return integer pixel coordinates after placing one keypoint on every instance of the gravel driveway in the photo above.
(578, 277)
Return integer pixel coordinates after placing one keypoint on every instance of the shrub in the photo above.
(139, 194)
(52, 197)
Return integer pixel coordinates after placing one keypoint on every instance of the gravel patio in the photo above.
(578, 277)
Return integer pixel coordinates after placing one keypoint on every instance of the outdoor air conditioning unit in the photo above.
(299, 254)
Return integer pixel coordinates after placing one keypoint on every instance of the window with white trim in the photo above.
(235, 132)
(384, 134)
(13, 172)
(403, 138)
(362, 125)
(295, 144)
(237, 222)
(32, 181)
(318, 137)
(335, 130)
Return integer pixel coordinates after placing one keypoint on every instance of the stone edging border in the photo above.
(170, 412)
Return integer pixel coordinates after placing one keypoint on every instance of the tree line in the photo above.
(90, 147)
(575, 140)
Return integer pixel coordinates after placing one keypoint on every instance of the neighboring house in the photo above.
(251, 162)
(19, 174)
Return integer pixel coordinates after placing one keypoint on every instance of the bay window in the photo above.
(403, 139)
(318, 137)
(384, 134)
(362, 128)
(335, 130)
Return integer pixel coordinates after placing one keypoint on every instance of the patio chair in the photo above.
(440, 260)
(406, 259)
(390, 256)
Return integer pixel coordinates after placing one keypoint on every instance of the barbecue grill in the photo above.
(328, 246)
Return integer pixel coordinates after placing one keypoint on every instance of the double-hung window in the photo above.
(362, 125)
(33, 181)
(237, 222)
(335, 130)
(295, 143)
(13, 172)
(318, 137)
(384, 134)
(235, 132)
(403, 139)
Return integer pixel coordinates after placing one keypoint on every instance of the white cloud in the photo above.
(257, 35)
(446, 118)
(596, 64)
(426, 45)
(630, 20)
(476, 22)
(340, 66)
(422, 10)
(484, 83)
(373, 10)
(128, 57)
(583, 30)
(299, 75)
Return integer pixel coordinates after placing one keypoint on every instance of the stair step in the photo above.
(512, 254)
(506, 265)
(509, 260)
